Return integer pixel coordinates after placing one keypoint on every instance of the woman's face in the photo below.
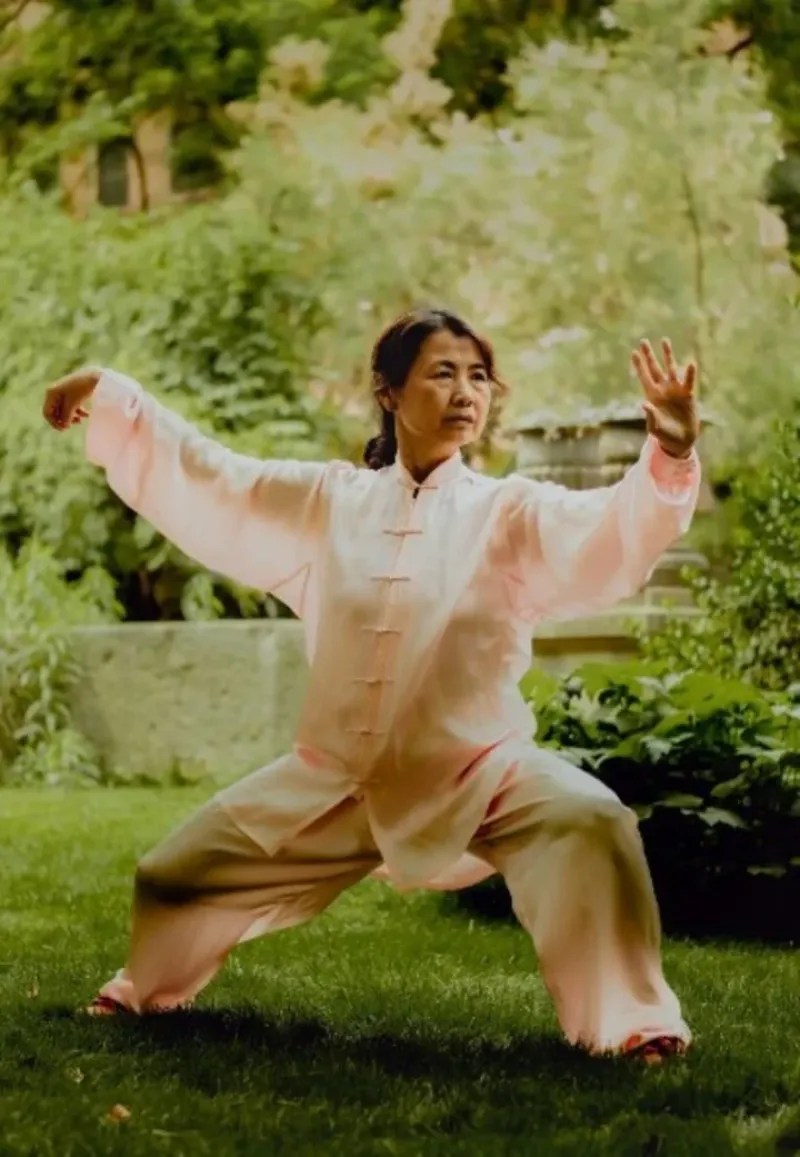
(444, 403)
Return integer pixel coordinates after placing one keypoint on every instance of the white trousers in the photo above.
(569, 851)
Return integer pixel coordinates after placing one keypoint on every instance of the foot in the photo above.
(655, 1050)
(104, 1006)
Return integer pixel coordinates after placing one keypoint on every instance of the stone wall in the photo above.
(220, 699)
(206, 698)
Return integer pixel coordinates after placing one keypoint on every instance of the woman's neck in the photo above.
(421, 465)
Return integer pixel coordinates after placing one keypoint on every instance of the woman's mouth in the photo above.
(460, 420)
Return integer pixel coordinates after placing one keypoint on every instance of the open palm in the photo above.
(670, 407)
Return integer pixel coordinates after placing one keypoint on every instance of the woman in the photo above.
(419, 583)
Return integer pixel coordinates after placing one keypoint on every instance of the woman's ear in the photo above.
(387, 401)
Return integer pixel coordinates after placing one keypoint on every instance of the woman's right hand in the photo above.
(64, 403)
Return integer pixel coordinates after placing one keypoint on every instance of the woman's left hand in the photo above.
(671, 407)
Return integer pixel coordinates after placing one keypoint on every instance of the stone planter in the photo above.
(596, 450)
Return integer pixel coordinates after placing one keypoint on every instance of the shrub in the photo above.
(38, 743)
(711, 767)
(749, 616)
(213, 308)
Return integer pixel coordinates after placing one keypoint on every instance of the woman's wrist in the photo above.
(678, 455)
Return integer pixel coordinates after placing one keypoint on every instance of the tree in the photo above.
(92, 68)
(481, 40)
(477, 43)
(771, 29)
(571, 231)
(768, 32)
(351, 34)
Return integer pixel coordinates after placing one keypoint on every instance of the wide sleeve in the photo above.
(257, 522)
(578, 551)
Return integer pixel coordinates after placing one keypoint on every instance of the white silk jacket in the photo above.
(418, 603)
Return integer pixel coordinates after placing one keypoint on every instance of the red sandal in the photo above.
(105, 1006)
(655, 1050)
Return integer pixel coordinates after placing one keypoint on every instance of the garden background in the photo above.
(227, 199)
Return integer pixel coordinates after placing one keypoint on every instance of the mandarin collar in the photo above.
(450, 470)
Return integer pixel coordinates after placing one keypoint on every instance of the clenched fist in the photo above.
(65, 402)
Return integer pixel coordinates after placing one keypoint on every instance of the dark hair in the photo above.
(393, 357)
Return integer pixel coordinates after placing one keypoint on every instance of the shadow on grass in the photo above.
(225, 1052)
(248, 1034)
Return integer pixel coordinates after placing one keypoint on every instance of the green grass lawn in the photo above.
(383, 1027)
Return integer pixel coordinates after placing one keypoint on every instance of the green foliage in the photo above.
(230, 317)
(38, 743)
(89, 70)
(748, 622)
(770, 31)
(572, 230)
(355, 67)
(477, 45)
(214, 308)
(772, 27)
(712, 768)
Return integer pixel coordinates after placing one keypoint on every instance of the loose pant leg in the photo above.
(208, 886)
(574, 864)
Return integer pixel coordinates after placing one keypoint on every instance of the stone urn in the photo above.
(596, 449)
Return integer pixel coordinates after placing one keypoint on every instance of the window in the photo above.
(112, 173)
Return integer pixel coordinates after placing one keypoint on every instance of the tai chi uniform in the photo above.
(414, 745)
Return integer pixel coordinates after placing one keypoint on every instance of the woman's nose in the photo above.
(462, 392)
